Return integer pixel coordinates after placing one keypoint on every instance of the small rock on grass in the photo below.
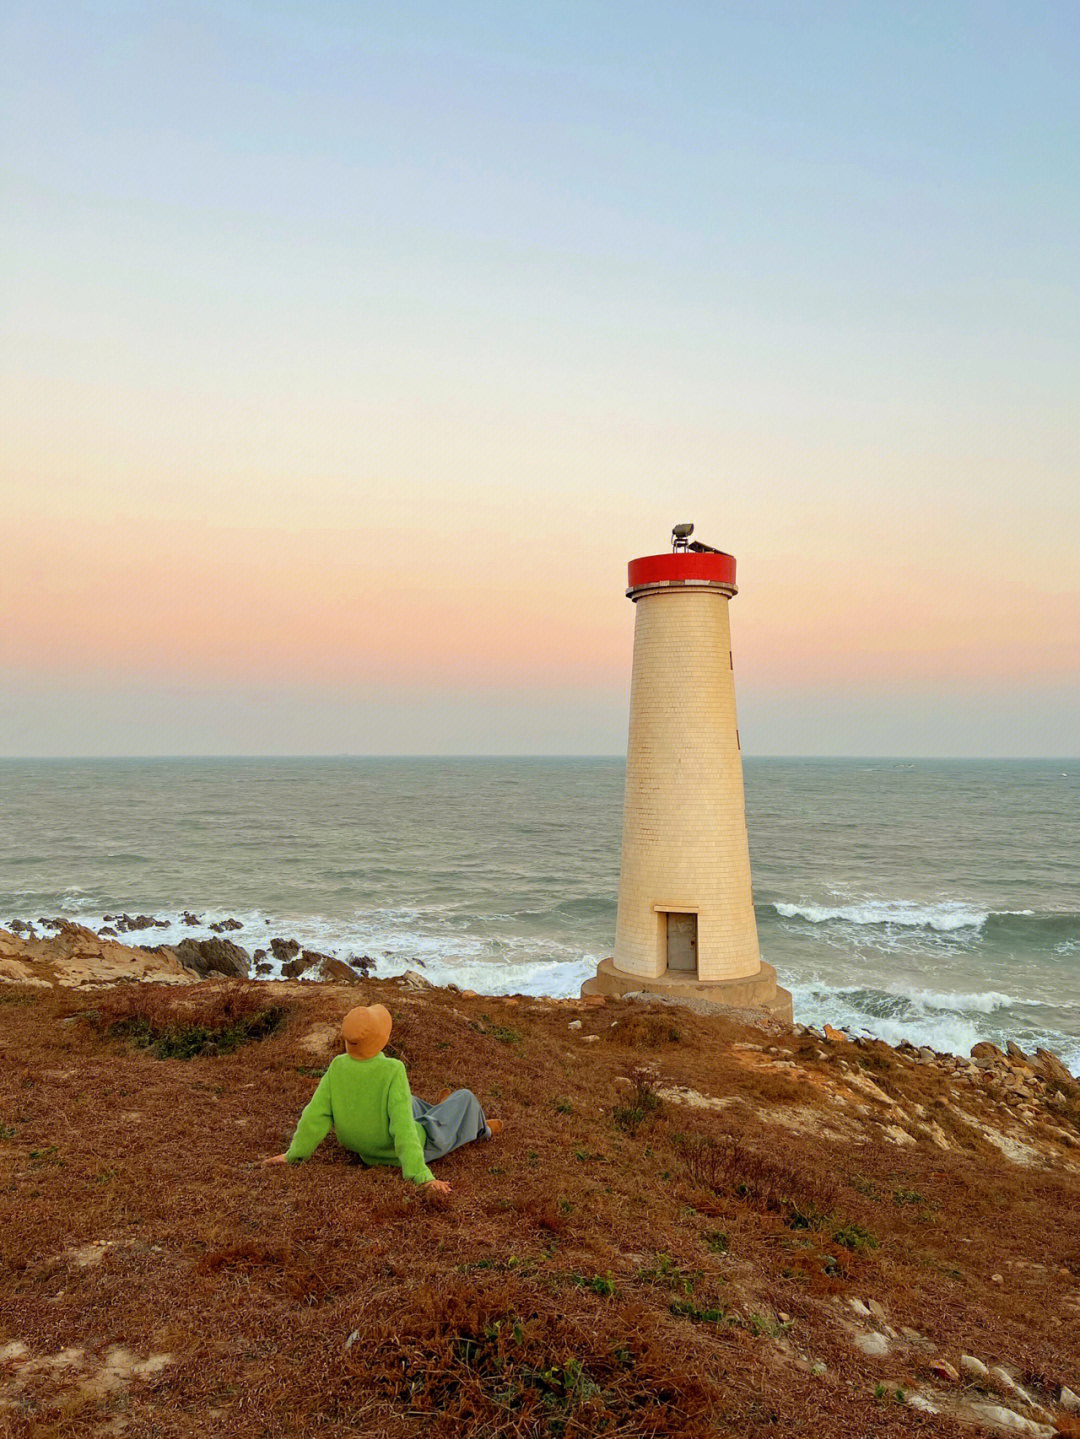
(874, 1346)
(1069, 1401)
(944, 1370)
(973, 1368)
(920, 1401)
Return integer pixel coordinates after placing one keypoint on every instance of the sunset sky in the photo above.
(351, 350)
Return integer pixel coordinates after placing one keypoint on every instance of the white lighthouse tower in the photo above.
(685, 923)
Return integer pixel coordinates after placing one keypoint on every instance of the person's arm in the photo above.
(407, 1144)
(315, 1123)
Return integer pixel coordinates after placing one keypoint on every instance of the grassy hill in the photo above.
(691, 1226)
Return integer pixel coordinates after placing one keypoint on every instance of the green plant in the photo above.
(6, 1131)
(563, 1106)
(717, 1241)
(854, 1237)
(500, 1032)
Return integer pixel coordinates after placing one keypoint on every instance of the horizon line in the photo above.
(494, 755)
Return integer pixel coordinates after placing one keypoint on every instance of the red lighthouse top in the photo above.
(689, 564)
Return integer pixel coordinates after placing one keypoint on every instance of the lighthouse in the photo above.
(685, 924)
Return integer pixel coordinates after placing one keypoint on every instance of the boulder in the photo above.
(944, 1370)
(213, 956)
(336, 971)
(985, 1050)
(224, 925)
(973, 1368)
(1069, 1400)
(1015, 1053)
(294, 968)
(411, 980)
(836, 1035)
(362, 962)
(284, 948)
(1051, 1067)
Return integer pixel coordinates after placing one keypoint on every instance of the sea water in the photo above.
(933, 900)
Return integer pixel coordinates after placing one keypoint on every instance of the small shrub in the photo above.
(497, 1031)
(213, 1022)
(644, 1031)
(643, 1102)
(775, 1183)
(854, 1237)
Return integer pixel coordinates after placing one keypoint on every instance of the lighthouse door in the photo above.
(682, 941)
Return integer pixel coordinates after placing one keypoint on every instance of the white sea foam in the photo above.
(987, 1002)
(947, 916)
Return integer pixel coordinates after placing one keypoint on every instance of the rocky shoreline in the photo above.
(59, 951)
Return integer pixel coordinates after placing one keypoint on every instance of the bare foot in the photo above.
(444, 1095)
(496, 1126)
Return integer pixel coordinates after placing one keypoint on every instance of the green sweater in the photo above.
(369, 1104)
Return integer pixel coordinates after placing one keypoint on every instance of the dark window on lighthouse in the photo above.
(682, 942)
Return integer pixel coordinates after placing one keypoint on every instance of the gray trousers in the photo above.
(456, 1121)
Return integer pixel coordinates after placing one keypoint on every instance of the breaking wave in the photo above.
(945, 917)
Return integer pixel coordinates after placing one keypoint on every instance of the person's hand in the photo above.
(436, 1186)
(275, 1159)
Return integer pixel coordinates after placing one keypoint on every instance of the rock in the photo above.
(973, 1368)
(126, 922)
(263, 967)
(336, 971)
(920, 1401)
(1068, 1400)
(996, 1279)
(188, 918)
(836, 1035)
(985, 1050)
(353, 1337)
(284, 948)
(859, 1307)
(224, 925)
(259, 954)
(107, 932)
(1002, 1418)
(589, 1038)
(574, 1024)
(911, 1335)
(874, 1346)
(877, 1311)
(362, 962)
(1005, 1379)
(944, 1370)
(1013, 1050)
(1051, 1067)
(927, 1055)
(294, 968)
(213, 956)
(817, 1369)
(411, 980)
(595, 1001)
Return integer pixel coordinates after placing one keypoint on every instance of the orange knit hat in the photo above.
(366, 1030)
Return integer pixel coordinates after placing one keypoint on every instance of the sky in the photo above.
(350, 351)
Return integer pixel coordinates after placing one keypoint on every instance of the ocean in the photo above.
(933, 900)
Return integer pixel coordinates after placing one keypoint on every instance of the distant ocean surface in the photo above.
(933, 900)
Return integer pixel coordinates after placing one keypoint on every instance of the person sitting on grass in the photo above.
(364, 1095)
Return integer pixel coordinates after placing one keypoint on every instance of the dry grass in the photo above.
(592, 1274)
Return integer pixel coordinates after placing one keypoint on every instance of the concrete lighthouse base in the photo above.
(755, 991)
